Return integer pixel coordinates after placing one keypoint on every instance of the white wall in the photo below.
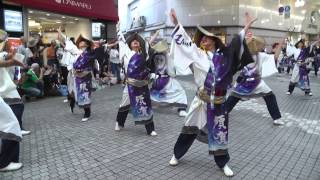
(205, 12)
(81, 27)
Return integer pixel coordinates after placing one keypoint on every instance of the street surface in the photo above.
(62, 147)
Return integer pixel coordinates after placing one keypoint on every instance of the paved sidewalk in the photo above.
(63, 147)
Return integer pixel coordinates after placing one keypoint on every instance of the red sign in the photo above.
(13, 44)
(100, 9)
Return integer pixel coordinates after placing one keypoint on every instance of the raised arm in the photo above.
(249, 20)
(154, 37)
(61, 36)
(124, 49)
(188, 51)
(313, 44)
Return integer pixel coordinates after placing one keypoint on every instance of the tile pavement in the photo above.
(62, 147)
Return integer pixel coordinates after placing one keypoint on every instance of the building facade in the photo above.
(94, 19)
(224, 18)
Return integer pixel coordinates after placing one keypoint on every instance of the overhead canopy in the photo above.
(100, 9)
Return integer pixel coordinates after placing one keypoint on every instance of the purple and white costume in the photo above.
(166, 89)
(251, 83)
(136, 95)
(300, 75)
(83, 84)
(207, 119)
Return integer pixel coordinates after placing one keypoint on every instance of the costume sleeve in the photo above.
(184, 52)
(124, 49)
(268, 64)
(291, 50)
(239, 52)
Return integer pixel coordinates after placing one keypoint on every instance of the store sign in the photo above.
(75, 3)
(287, 12)
(96, 29)
(13, 21)
(97, 9)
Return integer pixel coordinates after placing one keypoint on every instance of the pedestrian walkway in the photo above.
(63, 147)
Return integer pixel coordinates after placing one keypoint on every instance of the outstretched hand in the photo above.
(59, 29)
(173, 16)
(249, 20)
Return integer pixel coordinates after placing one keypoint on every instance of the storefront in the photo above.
(92, 18)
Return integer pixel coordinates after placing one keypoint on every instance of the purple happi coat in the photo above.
(139, 96)
(250, 80)
(304, 82)
(217, 117)
(83, 85)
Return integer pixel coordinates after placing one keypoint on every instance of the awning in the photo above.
(99, 9)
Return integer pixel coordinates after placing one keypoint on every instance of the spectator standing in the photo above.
(115, 62)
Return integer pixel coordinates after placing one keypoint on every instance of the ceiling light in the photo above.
(48, 14)
(63, 17)
(219, 21)
(31, 12)
(303, 11)
(58, 22)
(76, 19)
(280, 23)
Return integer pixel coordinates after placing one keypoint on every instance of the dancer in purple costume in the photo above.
(213, 67)
(250, 83)
(136, 95)
(166, 89)
(300, 75)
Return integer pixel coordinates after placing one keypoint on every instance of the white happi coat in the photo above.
(70, 55)
(9, 125)
(291, 50)
(186, 53)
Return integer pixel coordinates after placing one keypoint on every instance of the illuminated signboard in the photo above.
(13, 21)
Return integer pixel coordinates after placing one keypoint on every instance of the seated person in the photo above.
(31, 83)
(50, 81)
(106, 76)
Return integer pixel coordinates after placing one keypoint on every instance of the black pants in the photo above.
(9, 152)
(64, 74)
(316, 68)
(122, 117)
(185, 141)
(270, 100)
(87, 112)
(18, 112)
(182, 108)
(288, 70)
(293, 85)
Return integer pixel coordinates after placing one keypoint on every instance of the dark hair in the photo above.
(300, 41)
(73, 40)
(218, 43)
(274, 45)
